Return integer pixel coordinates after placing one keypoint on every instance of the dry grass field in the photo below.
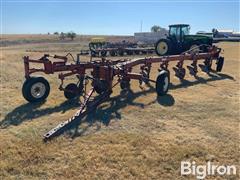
(136, 135)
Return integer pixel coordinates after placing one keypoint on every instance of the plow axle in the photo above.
(102, 73)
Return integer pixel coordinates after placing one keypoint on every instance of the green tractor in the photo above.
(179, 41)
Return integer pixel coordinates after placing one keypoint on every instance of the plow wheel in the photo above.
(162, 83)
(100, 86)
(35, 89)
(72, 90)
(163, 47)
(220, 62)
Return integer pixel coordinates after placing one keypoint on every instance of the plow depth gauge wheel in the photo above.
(162, 83)
(35, 89)
(72, 91)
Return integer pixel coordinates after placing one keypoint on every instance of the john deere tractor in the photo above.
(179, 40)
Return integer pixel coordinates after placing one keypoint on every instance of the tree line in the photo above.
(71, 35)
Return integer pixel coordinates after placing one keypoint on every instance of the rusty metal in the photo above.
(103, 71)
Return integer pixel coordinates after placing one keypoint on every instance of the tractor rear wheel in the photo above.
(35, 89)
(163, 47)
(162, 83)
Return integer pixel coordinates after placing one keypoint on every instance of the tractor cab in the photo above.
(178, 31)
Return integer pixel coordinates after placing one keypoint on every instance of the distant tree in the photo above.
(48, 33)
(155, 28)
(71, 35)
(62, 36)
(55, 33)
(215, 32)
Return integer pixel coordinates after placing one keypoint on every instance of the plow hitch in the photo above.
(102, 74)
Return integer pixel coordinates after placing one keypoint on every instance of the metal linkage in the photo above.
(85, 108)
(102, 73)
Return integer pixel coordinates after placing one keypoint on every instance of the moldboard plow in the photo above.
(101, 74)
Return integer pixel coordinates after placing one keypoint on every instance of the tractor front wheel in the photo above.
(163, 47)
(35, 89)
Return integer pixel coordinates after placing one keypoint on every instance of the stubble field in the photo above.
(135, 135)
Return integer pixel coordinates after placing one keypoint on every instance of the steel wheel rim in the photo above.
(162, 48)
(38, 90)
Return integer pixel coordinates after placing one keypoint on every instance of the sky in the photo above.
(120, 17)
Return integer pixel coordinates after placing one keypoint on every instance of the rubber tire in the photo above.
(72, 87)
(101, 87)
(220, 63)
(160, 82)
(169, 44)
(26, 89)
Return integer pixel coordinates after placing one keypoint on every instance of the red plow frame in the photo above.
(102, 73)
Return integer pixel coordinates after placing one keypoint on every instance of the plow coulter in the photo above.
(100, 75)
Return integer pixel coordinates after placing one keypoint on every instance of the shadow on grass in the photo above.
(103, 114)
(31, 111)
(199, 80)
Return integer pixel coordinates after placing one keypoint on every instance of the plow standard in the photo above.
(102, 73)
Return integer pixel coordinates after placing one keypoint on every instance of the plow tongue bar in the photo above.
(84, 109)
(102, 73)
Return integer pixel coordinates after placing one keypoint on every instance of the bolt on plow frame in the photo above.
(102, 72)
